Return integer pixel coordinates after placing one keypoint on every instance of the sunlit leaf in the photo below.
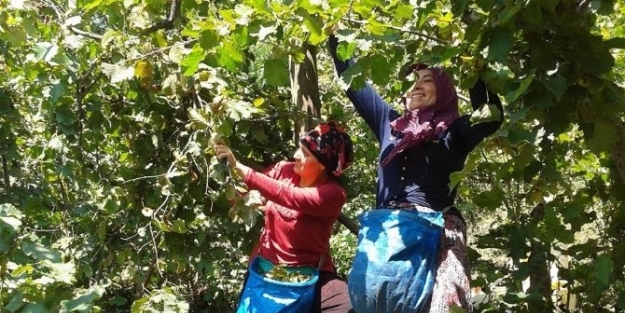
(144, 69)
(118, 72)
(82, 302)
(45, 51)
(40, 252)
(61, 272)
(191, 62)
(230, 57)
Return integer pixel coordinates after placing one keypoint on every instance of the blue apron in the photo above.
(262, 295)
(394, 269)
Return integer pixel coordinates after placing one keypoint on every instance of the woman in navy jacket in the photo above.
(419, 149)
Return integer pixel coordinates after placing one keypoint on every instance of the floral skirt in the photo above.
(452, 287)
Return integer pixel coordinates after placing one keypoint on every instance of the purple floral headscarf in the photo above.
(428, 123)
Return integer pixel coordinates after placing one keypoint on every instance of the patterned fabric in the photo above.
(452, 287)
(331, 145)
(421, 125)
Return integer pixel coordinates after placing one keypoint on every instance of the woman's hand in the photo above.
(223, 152)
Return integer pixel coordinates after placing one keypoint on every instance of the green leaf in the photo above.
(499, 45)
(514, 297)
(458, 7)
(33, 308)
(108, 37)
(61, 272)
(56, 92)
(240, 38)
(199, 117)
(599, 59)
(533, 13)
(508, 14)
(229, 56)
(138, 305)
(82, 302)
(16, 302)
(65, 116)
(405, 11)
(486, 113)
(191, 62)
(209, 39)
(375, 27)
(253, 198)
(489, 199)
(16, 36)
(603, 273)
(11, 217)
(380, 71)
(603, 136)
(549, 5)
(261, 6)
(314, 29)
(276, 72)
(40, 252)
(556, 84)
(345, 50)
(179, 226)
(258, 133)
(525, 83)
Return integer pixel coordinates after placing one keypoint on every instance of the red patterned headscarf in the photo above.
(331, 145)
(428, 123)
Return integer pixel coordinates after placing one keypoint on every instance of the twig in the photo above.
(402, 29)
(161, 50)
(143, 177)
(59, 14)
(85, 33)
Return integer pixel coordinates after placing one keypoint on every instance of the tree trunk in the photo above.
(540, 278)
(618, 151)
(305, 90)
(305, 97)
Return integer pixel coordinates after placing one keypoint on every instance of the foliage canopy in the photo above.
(111, 200)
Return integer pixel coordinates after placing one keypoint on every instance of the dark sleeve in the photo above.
(473, 134)
(367, 102)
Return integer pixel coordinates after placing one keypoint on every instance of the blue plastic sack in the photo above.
(394, 269)
(264, 295)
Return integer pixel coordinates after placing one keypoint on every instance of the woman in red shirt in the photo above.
(304, 200)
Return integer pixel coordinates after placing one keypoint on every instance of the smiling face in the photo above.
(306, 165)
(423, 93)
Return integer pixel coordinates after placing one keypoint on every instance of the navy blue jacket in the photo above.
(419, 175)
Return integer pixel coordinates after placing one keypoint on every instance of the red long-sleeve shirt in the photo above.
(298, 220)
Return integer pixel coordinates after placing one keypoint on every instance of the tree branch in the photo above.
(351, 224)
(174, 13)
(5, 171)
